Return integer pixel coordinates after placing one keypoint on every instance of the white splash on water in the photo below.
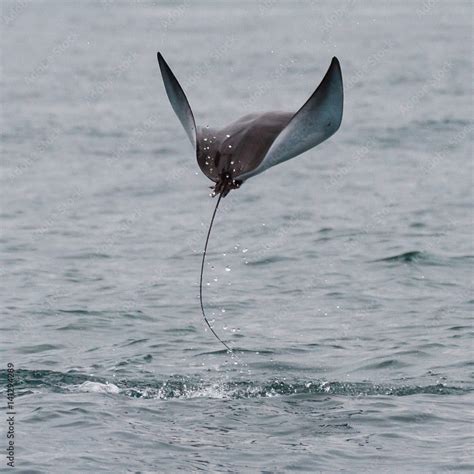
(97, 387)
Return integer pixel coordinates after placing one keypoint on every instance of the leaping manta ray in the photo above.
(229, 156)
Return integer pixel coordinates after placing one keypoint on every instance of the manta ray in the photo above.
(230, 155)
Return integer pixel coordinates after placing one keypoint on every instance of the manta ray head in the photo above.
(221, 157)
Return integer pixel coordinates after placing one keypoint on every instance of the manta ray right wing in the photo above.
(316, 121)
(178, 100)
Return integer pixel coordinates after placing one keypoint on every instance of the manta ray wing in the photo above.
(316, 121)
(178, 100)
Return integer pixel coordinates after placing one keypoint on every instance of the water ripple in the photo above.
(189, 387)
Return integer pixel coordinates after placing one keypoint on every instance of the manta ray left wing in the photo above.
(178, 100)
(316, 121)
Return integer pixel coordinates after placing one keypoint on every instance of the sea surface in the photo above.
(341, 278)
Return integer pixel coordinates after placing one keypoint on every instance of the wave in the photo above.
(408, 257)
(426, 258)
(29, 381)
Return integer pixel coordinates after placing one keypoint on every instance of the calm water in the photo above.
(342, 278)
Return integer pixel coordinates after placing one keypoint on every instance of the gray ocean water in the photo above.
(342, 278)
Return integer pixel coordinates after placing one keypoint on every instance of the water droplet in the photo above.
(230, 146)
(207, 162)
(222, 310)
(227, 269)
(245, 250)
(205, 139)
(231, 162)
(215, 279)
(228, 136)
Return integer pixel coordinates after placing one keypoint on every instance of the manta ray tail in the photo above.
(202, 271)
